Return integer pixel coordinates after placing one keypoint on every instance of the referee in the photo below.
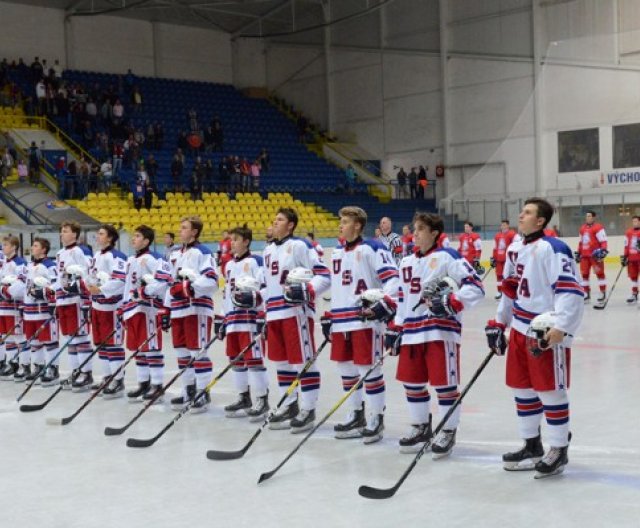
(391, 240)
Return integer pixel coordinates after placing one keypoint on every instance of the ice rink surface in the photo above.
(74, 476)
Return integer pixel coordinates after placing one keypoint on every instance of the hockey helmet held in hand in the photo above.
(537, 330)
(438, 287)
(247, 283)
(147, 278)
(187, 274)
(41, 282)
(299, 276)
(370, 297)
(7, 280)
(75, 271)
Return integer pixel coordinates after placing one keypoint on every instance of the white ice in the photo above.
(74, 476)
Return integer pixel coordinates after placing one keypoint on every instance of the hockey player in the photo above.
(391, 240)
(241, 323)
(39, 306)
(357, 334)
(12, 286)
(470, 246)
(540, 278)
(503, 240)
(148, 276)
(311, 238)
(106, 286)
(72, 305)
(443, 241)
(407, 241)
(631, 257)
(224, 251)
(290, 309)
(190, 299)
(592, 250)
(436, 285)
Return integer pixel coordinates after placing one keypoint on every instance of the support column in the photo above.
(328, 65)
(444, 86)
(536, 30)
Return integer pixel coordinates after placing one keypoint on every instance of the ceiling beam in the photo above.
(266, 14)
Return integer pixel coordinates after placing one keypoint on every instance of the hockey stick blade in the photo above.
(267, 475)
(137, 442)
(114, 431)
(377, 493)
(54, 421)
(40, 406)
(212, 454)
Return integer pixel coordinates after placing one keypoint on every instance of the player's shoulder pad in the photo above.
(449, 251)
(19, 261)
(86, 250)
(203, 249)
(558, 246)
(374, 244)
(118, 254)
(49, 263)
(156, 255)
(304, 241)
(258, 258)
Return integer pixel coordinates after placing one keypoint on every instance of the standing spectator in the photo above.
(192, 120)
(41, 96)
(91, 110)
(422, 182)
(218, 136)
(152, 171)
(401, 177)
(177, 168)
(245, 173)
(83, 179)
(6, 164)
(208, 175)
(195, 186)
(142, 174)
(349, 178)
(148, 196)
(255, 174)
(71, 183)
(118, 153)
(159, 135)
(23, 171)
(413, 183)
(138, 194)
(34, 163)
(170, 246)
(106, 170)
(57, 69)
(36, 70)
(151, 137)
(223, 173)
(117, 113)
(94, 177)
(208, 139)
(391, 240)
(265, 160)
(136, 100)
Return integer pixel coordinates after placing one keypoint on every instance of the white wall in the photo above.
(115, 44)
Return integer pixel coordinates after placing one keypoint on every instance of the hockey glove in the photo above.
(392, 339)
(624, 260)
(165, 319)
(495, 337)
(600, 254)
(509, 287)
(219, 327)
(4, 291)
(446, 305)
(325, 323)
(479, 268)
(383, 310)
(181, 290)
(492, 262)
(37, 294)
(577, 256)
(299, 293)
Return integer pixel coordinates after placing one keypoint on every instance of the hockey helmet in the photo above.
(41, 282)
(439, 286)
(538, 328)
(9, 279)
(187, 274)
(247, 283)
(299, 276)
(370, 297)
(74, 270)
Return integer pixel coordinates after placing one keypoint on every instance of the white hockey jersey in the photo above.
(198, 258)
(279, 259)
(12, 302)
(114, 263)
(236, 319)
(73, 254)
(34, 309)
(547, 282)
(355, 268)
(419, 324)
(145, 263)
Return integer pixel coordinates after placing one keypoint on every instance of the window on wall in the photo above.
(578, 150)
(626, 146)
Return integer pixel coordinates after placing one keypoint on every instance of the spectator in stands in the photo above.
(177, 168)
(138, 194)
(151, 137)
(36, 70)
(192, 120)
(301, 124)
(195, 186)
(152, 170)
(71, 186)
(183, 141)
(170, 245)
(208, 139)
(349, 179)
(148, 196)
(391, 240)
(245, 174)
(422, 182)
(88, 138)
(41, 96)
(218, 136)
(224, 173)
(136, 100)
(413, 183)
(255, 174)
(159, 135)
(91, 110)
(23, 171)
(401, 177)
(6, 164)
(35, 157)
(208, 176)
(61, 163)
(94, 177)
(106, 171)
(57, 69)
(265, 160)
(83, 179)
(117, 113)
(118, 153)
(106, 111)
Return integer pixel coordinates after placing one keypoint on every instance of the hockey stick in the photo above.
(36, 334)
(51, 361)
(105, 383)
(40, 406)
(613, 287)
(212, 454)
(114, 431)
(135, 442)
(9, 333)
(486, 274)
(385, 493)
(269, 474)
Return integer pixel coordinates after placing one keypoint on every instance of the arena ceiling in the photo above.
(237, 17)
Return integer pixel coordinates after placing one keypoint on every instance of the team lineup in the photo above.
(384, 302)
